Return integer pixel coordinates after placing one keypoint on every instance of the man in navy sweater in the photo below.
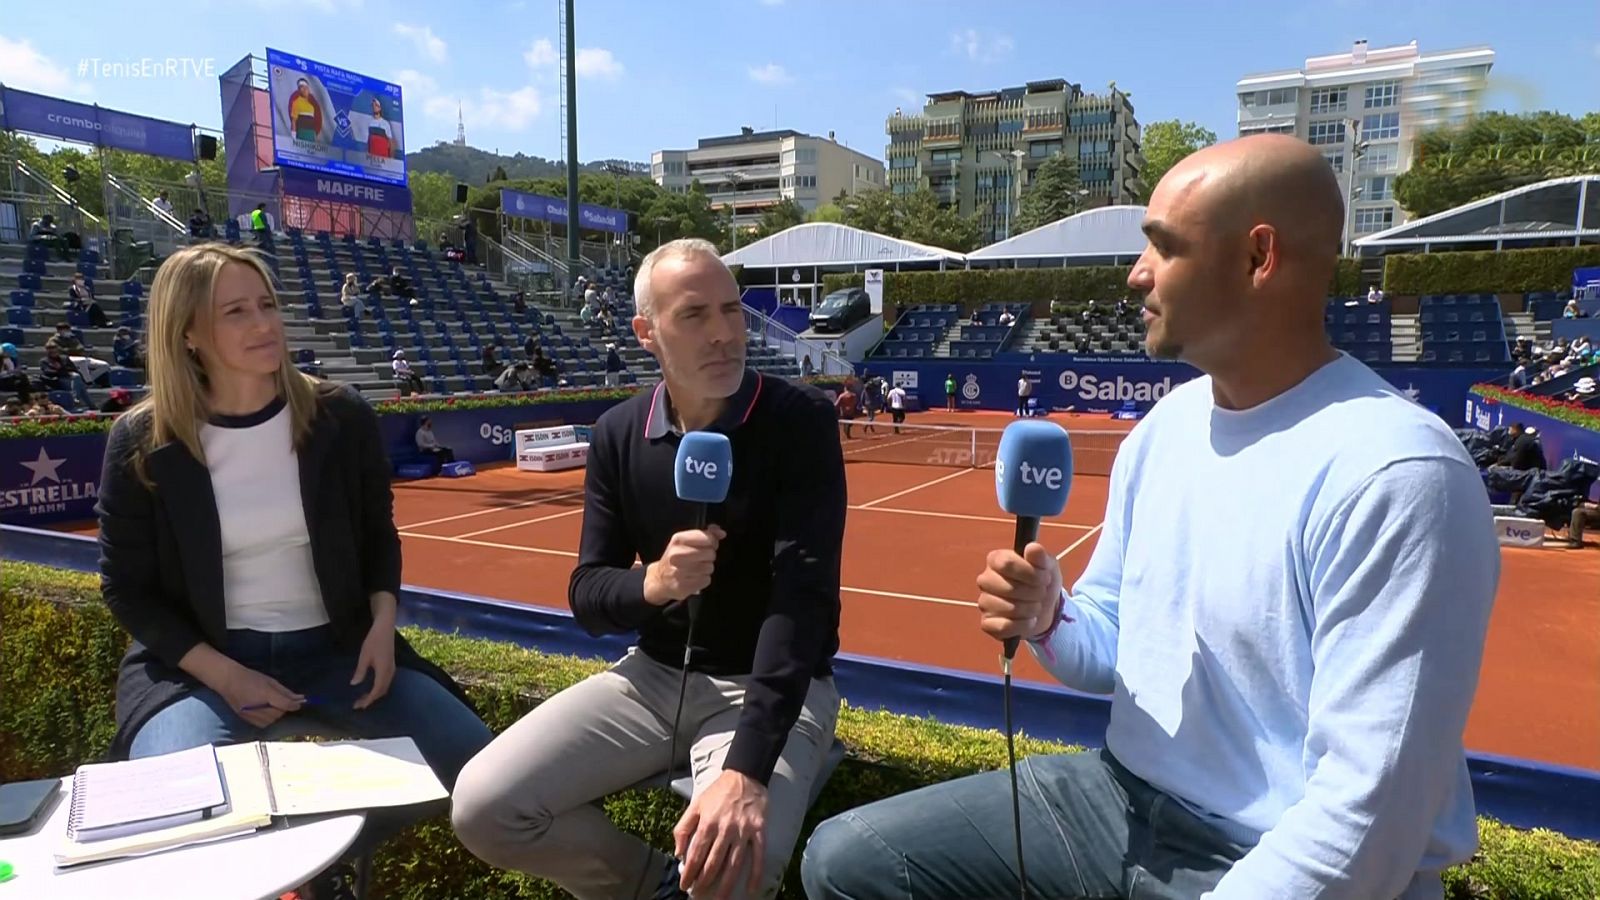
(760, 706)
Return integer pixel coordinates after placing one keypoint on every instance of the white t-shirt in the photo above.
(897, 398)
(1024, 387)
(269, 582)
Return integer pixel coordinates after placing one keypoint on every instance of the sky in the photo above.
(656, 75)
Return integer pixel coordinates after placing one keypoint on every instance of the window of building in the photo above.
(1328, 100)
(1247, 100)
(1325, 133)
(1044, 149)
(1382, 95)
(1090, 146)
(1336, 160)
(1370, 220)
(1379, 188)
(1380, 158)
(945, 157)
(1282, 95)
(1380, 127)
(903, 162)
(806, 156)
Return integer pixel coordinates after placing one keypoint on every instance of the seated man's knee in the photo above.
(494, 819)
(845, 857)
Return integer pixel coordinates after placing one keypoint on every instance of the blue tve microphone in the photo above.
(704, 470)
(1032, 476)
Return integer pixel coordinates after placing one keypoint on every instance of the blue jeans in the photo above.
(1091, 829)
(446, 731)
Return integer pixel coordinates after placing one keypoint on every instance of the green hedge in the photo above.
(1070, 286)
(1500, 272)
(61, 647)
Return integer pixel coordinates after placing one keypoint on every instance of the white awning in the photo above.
(1104, 231)
(832, 244)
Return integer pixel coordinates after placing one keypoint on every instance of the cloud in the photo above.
(594, 62)
(23, 67)
(487, 107)
(771, 73)
(981, 48)
(541, 54)
(427, 43)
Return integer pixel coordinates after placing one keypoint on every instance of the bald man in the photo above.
(1287, 605)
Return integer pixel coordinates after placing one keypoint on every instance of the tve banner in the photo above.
(70, 121)
(554, 209)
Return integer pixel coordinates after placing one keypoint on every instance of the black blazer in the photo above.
(161, 550)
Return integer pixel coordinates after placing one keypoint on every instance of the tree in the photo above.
(781, 217)
(827, 212)
(1052, 196)
(1165, 143)
(923, 220)
(1493, 153)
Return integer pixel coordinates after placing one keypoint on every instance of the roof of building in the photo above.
(1103, 231)
(832, 244)
(1533, 212)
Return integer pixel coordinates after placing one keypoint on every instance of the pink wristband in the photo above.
(1055, 622)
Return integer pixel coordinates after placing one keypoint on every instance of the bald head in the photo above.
(1269, 179)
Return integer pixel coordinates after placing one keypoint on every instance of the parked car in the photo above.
(841, 310)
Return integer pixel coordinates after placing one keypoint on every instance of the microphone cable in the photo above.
(1027, 533)
(693, 607)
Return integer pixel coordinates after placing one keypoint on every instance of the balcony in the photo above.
(1261, 116)
(721, 173)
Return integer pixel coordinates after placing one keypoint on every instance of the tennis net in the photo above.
(956, 447)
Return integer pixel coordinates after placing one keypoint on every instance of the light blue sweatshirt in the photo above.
(1288, 605)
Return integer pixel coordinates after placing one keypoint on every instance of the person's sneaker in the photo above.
(668, 888)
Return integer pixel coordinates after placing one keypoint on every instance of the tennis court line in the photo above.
(918, 597)
(876, 446)
(483, 512)
(1079, 542)
(570, 512)
(455, 540)
(926, 484)
(945, 515)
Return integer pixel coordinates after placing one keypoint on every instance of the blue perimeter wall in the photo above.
(1518, 792)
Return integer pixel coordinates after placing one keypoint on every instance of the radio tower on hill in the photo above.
(461, 128)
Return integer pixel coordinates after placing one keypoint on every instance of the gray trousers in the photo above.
(526, 802)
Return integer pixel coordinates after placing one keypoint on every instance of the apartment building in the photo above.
(980, 151)
(752, 171)
(1365, 109)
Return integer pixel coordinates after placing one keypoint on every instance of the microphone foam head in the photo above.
(1033, 470)
(705, 467)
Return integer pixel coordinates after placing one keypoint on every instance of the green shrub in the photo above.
(61, 648)
(1500, 272)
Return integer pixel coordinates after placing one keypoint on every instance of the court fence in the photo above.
(958, 447)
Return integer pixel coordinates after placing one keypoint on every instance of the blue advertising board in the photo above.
(338, 189)
(1561, 440)
(329, 119)
(484, 435)
(554, 209)
(80, 122)
(1098, 386)
(52, 479)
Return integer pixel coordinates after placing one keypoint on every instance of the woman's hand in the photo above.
(256, 698)
(377, 651)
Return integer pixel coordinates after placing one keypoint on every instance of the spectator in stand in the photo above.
(1007, 318)
(126, 351)
(94, 370)
(57, 373)
(428, 442)
(1583, 391)
(200, 226)
(15, 408)
(1519, 377)
(162, 203)
(1571, 310)
(519, 303)
(491, 363)
(12, 375)
(807, 368)
(43, 231)
(350, 297)
(410, 382)
(120, 401)
(975, 318)
(399, 285)
(1374, 295)
(614, 365)
(44, 406)
(549, 371)
(80, 298)
(516, 378)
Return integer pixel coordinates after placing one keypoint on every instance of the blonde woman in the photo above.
(350, 297)
(248, 545)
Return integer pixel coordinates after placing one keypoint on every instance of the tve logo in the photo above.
(704, 468)
(1048, 476)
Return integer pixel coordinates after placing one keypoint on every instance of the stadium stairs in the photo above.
(33, 288)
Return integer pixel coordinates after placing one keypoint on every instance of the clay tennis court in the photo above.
(921, 520)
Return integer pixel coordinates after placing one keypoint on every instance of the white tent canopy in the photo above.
(1103, 231)
(831, 244)
(1565, 209)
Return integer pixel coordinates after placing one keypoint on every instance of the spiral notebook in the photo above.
(260, 781)
(111, 800)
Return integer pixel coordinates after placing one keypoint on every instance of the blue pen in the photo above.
(309, 701)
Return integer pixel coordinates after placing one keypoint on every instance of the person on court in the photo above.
(1287, 604)
(760, 706)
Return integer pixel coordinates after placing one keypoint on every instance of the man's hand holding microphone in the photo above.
(685, 567)
(1018, 595)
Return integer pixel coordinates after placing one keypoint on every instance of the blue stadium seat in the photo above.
(20, 317)
(22, 298)
(10, 335)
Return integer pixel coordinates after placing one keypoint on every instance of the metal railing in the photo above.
(532, 277)
(131, 212)
(771, 333)
(558, 267)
